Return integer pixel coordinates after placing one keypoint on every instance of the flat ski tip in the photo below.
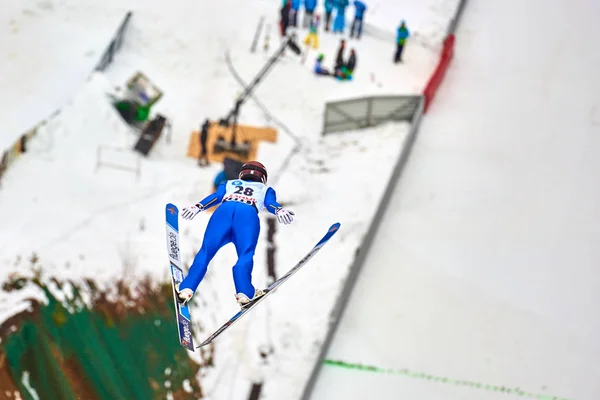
(330, 232)
(172, 208)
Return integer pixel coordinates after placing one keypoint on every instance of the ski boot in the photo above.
(184, 296)
(244, 301)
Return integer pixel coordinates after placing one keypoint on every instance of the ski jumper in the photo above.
(234, 221)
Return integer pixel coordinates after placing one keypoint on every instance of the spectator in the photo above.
(351, 64)
(24, 144)
(339, 59)
(312, 38)
(294, 12)
(357, 24)
(343, 74)
(328, 11)
(285, 17)
(319, 69)
(401, 37)
(309, 9)
(340, 16)
(203, 161)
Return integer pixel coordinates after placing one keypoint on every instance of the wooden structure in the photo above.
(245, 134)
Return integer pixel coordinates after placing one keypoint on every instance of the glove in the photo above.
(284, 216)
(190, 212)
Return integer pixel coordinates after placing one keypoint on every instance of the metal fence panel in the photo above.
(393, 109)
(366, 112)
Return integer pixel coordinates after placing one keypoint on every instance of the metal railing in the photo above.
(457, 17)
(115, 44)
(360, 113)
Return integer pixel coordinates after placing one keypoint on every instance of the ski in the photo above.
(184, 322)
(330, 232)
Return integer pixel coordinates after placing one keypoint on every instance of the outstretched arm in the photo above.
(284, 216)
(207, 202)
(271, 203)
(214, 198)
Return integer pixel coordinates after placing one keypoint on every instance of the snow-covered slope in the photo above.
(292, 324)
(84, 221)
(189, 66)
(486, 269)
(48, 49)
(427, 23)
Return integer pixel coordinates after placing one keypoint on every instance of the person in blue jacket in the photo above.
(357, 24)
(294, 12)
(309, 10)
(401, 35)
(339, 22)
(220, 178)
(328, 10)
(234, 221)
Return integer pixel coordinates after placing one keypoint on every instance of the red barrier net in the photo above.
(440, 71)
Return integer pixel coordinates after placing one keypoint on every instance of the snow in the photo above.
(427, 23)
(25, 382)
(63, 202)
(485, 268)
(10, 306)
(49, 48)
(291, 327)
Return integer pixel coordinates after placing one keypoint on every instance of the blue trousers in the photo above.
(339, 22)
(356, 29)
(232, 222)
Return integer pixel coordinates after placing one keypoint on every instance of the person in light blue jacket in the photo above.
(339, 22)
(309, 10)
(294, 12)
(401, 35)
(357, 24)
(328, 10)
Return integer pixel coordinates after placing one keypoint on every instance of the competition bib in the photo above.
(251, 193)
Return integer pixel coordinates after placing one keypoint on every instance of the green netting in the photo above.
(33, 367)
(124, 358)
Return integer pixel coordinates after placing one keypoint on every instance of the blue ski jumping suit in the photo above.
(234, 221)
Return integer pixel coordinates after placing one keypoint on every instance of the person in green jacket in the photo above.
(401, 36)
